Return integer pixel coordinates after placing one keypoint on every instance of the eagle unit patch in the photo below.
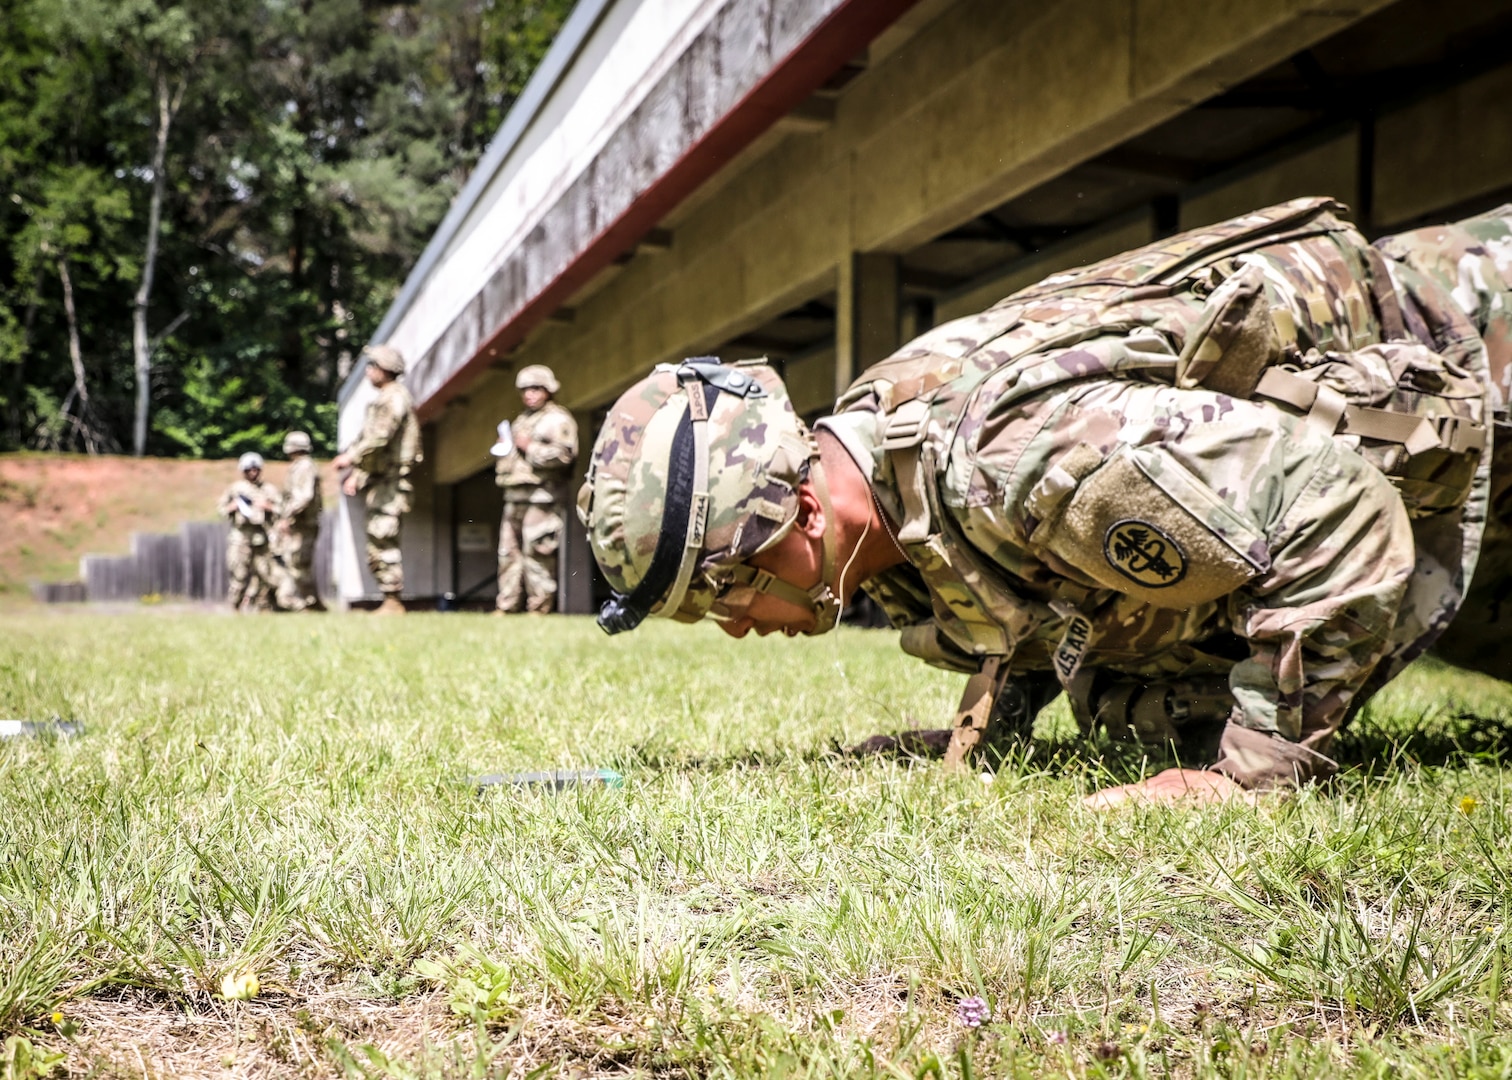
(1186, 547)
(1144, 554)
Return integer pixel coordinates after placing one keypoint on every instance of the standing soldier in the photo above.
(534, 467)
(298, 526)
(247, 504)
(380, 462)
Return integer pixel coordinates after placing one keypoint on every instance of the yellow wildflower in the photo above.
(239, 986)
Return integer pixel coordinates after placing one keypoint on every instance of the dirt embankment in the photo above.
(56, 507)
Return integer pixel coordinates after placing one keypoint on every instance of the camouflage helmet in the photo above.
(385, 357)
(297, 442)
(697, 470)
(538, 375)
(249, 461)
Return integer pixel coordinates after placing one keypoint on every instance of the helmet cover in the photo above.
(385, 357)
(537, 375)
(758, 453)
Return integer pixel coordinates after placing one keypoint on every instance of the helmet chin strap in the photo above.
(820, 601)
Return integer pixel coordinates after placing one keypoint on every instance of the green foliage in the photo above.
(225, 410)
(312, 150)
(514, 37)
(21, 1060)
(478, 988)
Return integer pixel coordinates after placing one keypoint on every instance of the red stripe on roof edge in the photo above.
(843, 33)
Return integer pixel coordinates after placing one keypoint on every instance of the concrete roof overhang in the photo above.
(637, 105)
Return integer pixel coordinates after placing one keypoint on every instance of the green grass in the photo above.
(291, 798)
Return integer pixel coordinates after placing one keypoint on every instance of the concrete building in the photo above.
(818, 180)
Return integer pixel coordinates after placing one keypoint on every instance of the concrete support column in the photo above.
(444, 548)
(866, 314)
(575, 563)
(423, 540)
(575, 569)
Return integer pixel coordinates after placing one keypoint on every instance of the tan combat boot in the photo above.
(391, 605)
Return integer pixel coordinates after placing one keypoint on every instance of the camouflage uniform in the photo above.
(385, 450)
(1220, 488)
(1248, 456)
(250, 570)
(1472, 261)
(535, 496)
(296, 540)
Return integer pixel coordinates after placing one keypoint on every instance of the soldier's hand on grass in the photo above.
(1173, 785)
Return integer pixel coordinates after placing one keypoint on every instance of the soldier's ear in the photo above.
(811, 521)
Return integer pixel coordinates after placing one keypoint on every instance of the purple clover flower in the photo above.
(973, 1012)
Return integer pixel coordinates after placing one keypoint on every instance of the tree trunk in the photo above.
(75, 354)
(140, 345)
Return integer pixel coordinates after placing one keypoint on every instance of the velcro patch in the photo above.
(771, 511)
(1060, 480)
(1146, 526)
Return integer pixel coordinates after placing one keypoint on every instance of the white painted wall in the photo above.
(631, 49)
(348, 560)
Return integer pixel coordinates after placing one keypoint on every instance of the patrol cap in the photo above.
(297, 442)
(696, 470)
(249, 461)
(538, 375)
(385, 357)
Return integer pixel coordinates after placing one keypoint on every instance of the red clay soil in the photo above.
(56, 507)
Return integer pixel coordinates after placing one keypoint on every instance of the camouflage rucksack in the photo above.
(1227, 309)
(1206, 309)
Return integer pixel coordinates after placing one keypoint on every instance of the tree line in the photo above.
(206, 208)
